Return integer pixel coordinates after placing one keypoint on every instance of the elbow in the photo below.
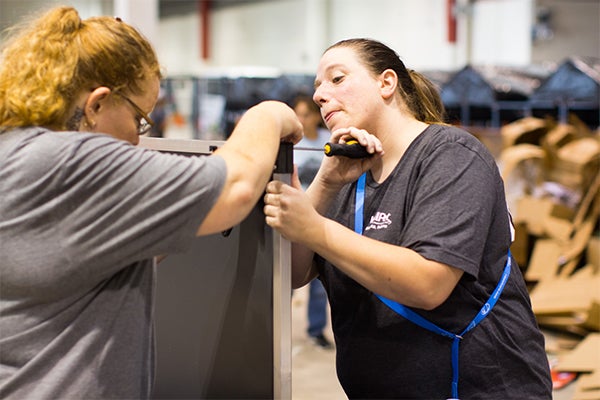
(301, 274)
(245, 182)
(297, 284)
(246, 195)
(299, 281)
(242, 190)
(232, 207)
(431, 304)
(243, 199)
(435, 286)
(433, 298)
(424, 298)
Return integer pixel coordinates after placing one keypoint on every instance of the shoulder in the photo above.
(40, 151)
(450, 134)
(48, 142)
(447, 139)
(79, 152)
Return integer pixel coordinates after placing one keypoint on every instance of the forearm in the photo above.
(395, 272)
(303, 269)
(251, 150)
(322, 194)
(249, 155)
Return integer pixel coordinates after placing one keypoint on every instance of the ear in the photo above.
(95, 104)
(389, 83)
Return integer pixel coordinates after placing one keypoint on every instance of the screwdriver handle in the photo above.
(350, 149)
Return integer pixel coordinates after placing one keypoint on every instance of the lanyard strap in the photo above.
(416, 318)
(359, 204)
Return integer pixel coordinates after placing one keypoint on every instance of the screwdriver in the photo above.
(351, 149)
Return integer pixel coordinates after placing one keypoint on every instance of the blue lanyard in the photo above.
(416, 318)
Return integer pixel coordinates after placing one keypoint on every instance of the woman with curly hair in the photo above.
(83, 212)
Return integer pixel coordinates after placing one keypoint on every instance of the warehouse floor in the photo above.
(313, 368)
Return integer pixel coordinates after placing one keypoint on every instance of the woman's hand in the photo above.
(289, 210)
(339, 170)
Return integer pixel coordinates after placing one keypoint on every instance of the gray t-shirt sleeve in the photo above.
(452, 207)
(93, 201)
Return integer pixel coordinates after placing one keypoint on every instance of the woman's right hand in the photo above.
(336, 171)
(291, 129)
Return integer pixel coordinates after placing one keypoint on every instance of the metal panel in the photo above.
(223, 313)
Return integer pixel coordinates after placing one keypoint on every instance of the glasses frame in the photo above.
(145, 123)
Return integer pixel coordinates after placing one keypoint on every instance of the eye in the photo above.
(337, 79)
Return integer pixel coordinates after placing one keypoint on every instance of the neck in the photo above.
(395, 140)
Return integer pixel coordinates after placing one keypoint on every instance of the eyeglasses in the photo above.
(145, 123)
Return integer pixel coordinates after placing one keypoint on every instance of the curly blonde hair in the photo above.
(46, 63)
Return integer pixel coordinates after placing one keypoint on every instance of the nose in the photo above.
(318, 96)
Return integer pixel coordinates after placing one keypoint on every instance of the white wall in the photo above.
(415, 29)
(11, 11)
(178, 45)
(265, 34)
(143, 14)
(575, 25)
(290, 35)
(502, 32)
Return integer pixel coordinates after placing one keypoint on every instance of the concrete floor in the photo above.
(313, 368)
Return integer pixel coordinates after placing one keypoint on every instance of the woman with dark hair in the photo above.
(411, 244)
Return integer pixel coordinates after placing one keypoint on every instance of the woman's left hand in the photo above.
(289, 210)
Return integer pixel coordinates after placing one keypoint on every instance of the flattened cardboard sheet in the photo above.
(584, 358)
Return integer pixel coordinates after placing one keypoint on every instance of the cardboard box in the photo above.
(525, 130)
(544, 217)
(577, 163)
(593, 253)
(584, 358)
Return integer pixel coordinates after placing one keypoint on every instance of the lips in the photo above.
(329, 115)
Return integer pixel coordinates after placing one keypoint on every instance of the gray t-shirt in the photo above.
(81, 217)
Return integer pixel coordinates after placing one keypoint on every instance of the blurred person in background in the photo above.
(308, 162)
(160, 115)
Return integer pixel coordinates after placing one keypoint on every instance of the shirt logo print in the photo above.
(379, 221)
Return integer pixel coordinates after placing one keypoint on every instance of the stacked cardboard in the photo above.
(583, 360)
(552, 177)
